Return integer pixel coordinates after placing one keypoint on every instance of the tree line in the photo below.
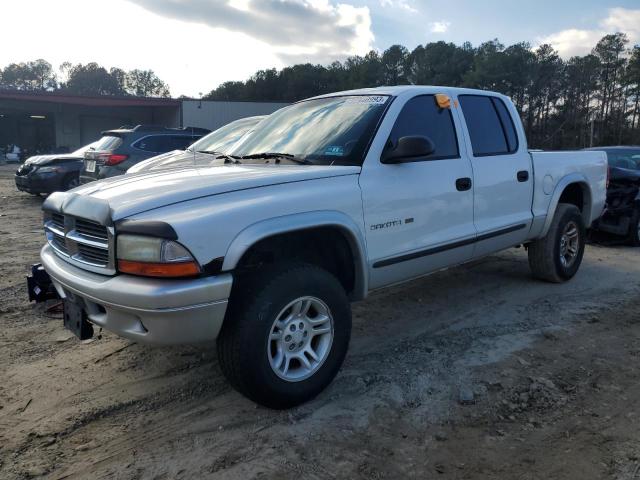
(585, 100)
(87, 79)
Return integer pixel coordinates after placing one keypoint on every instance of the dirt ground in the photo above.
(475, 372)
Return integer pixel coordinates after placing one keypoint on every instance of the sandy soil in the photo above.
(476, 372)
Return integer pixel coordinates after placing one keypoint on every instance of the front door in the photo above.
(419, 215)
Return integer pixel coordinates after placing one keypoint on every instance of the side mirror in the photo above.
(409, 148)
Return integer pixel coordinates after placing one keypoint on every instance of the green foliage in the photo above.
(36, 75)
(594, 99)
(92, 79)
(89, 79)
(143, 83)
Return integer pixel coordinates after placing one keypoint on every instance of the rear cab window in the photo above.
(490, 125)
(422, 116)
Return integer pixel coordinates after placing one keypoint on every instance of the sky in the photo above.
(195, 45)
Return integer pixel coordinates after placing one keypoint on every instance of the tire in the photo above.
(634, 228)
(247, 350)
(71, 181)
(551, 258)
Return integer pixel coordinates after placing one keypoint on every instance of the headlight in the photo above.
(154, 257)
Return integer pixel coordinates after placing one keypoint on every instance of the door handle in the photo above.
(463, 184)
(523, 175)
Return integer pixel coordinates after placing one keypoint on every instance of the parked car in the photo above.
(621, 216)
(43, 174)
(326, 200)
(118, 150)
(13, 154)
(204, 151)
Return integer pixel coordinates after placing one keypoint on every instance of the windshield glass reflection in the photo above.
(334, 130)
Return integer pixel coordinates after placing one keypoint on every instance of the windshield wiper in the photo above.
(277, 156)
(208, 152)
(219, 155)
(228, 158)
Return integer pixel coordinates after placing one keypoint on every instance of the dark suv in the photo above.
(120, 149)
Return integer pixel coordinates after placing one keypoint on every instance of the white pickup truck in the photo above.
(328, 199)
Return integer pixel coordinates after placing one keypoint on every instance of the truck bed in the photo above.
(552, 171)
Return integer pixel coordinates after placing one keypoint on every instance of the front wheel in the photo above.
(286, 334)
(557, 257)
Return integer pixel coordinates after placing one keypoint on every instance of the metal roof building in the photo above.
(43, 122)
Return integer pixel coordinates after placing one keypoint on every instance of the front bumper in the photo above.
(35, 184)
(146, 310)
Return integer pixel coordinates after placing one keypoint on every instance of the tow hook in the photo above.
(40, 286)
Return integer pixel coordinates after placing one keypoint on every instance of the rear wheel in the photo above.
(557, 257)
(634, 228)
(286, 335)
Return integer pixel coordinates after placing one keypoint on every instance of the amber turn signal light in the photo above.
(443, 100)
(150, 269)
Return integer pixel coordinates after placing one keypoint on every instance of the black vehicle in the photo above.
(621, 216)
(51, 173)
(118, 150)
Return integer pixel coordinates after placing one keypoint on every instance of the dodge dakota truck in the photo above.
(327, 200)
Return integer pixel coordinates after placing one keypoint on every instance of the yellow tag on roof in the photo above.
(443, 100)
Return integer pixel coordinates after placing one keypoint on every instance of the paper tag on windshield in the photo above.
(334, 150)
(367, 100)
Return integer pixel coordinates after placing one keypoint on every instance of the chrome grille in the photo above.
(91, 229)
(93, 254)
(58, 220)
(82, 242)
(59, 243)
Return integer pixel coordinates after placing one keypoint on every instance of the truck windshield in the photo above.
(223, 138)
(324, 131)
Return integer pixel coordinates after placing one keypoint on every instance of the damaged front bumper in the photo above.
(146, 310)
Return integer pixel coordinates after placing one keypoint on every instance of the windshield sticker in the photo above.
(367, 100)
(335, 150)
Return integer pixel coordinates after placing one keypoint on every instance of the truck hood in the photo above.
(176, 159)
(130, 194)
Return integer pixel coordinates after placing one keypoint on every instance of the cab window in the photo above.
(422, 116)
(490, 125)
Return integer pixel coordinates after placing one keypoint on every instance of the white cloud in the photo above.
(575, 41)
(310, 28)
(401, 4)
(191, 50)
(439, 27)
(624, 20)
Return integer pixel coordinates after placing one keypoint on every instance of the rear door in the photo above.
(502, 172)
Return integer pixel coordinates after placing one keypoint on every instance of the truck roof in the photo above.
(396, 90)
